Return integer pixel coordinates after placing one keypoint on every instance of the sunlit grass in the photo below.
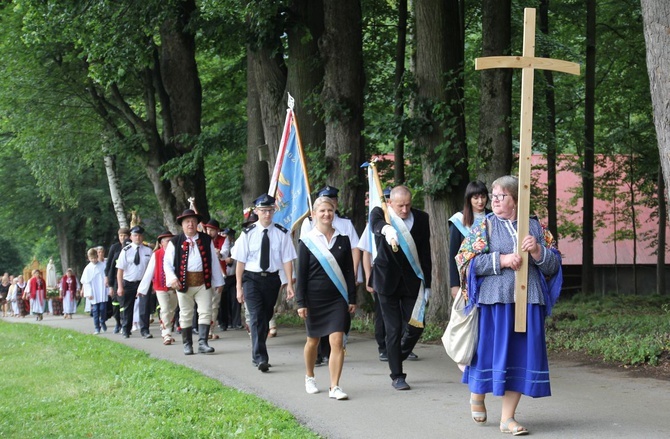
(59, 383)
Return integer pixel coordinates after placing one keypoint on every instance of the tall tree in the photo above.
(399, 107)
(589, 149)
(495, 105)
(342, 101)
(656, 19)
(439, 77)
(550, 101)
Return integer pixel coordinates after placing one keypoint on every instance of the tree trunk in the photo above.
(589, 153)
(662, 223)
(656, 19)
(341, 47)
(114, 191)
(179, 75)
(495, 104)
(550, 101)
(439, 64)
(306, 71)
(270, 76)
(256, 173)
(400, 49)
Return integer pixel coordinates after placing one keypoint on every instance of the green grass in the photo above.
(628, 330)
(62, 384)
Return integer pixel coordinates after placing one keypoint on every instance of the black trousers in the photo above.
(127, 303)
(260, 296)
(380, 330)
(233, 308)
(400, 337)
(146, 308)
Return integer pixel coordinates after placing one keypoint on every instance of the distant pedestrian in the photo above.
(93, 281)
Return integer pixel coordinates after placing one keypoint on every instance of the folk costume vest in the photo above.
(182, 250)
(158, 280)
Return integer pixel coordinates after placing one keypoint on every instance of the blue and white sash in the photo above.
(408, 246)
(457, 220)
(328, 262)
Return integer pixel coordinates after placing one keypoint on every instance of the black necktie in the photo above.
(137, 256)
(265, 251)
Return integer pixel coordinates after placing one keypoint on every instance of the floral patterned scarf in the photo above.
(477, 242)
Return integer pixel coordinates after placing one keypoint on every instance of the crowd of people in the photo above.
(202, 277)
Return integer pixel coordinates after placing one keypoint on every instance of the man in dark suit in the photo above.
(397, 277)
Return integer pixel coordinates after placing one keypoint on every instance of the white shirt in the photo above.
(126, 262)
(247, 248)
(225, 254)
(343, 225)
(93, 281)
(193, 264)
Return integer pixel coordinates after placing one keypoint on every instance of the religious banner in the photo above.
(289, 184)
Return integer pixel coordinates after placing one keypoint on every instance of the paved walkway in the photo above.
(586, 402)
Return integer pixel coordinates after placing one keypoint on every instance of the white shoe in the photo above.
(310, 385)
(337, 393)
(96, 332)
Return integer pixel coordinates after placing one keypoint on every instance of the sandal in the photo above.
(478, 417)
(273, 332)
(213, 336)
(167, 340)
(517, 430)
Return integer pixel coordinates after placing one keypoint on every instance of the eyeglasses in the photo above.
(498, 197)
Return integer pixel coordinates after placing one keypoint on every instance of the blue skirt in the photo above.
(508, 360)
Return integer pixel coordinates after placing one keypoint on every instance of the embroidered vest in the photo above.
(182, 249)
(159, 273)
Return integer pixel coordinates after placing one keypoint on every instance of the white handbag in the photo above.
(462, 333)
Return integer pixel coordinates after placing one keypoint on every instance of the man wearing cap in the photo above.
(344, 226)
(110, 273)
(262, 250)
(154, 277)
(400, 278)
(192, 269)
(131, 265)
(212, 228)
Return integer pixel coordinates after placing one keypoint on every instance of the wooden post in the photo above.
(527, 63)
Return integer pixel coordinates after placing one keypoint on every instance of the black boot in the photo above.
(187, 338)
(203, 334)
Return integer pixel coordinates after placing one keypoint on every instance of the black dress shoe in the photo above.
(126, 336)
(383, 357)
(400, 384)
(263, 366)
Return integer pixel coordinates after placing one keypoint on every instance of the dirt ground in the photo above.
(661, 372)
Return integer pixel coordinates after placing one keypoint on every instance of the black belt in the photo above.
(263, 273)
(131, 282)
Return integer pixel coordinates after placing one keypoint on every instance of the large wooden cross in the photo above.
(527, 63)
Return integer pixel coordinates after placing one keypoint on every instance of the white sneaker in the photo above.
(337, 393)
(96, 332)
(310, 385)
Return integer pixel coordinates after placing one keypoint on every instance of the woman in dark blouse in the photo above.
(325, 293)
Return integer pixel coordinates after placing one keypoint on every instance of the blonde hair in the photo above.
(92, 252)
(319, 201)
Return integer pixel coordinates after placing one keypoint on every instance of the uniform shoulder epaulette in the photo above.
(251, 227)
(282, 228)
(127, 247)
